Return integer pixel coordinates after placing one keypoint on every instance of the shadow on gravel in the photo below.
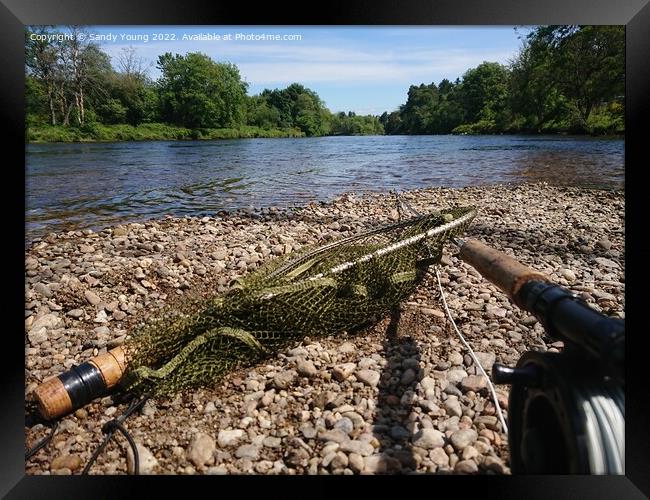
(396, 397)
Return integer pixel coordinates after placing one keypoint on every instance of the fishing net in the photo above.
(321, 291)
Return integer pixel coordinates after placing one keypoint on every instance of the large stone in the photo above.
(343, 371)
(37, 335)
(439, 457)
(92, 297)
(283, 380)
(466, 467)
(452, 407)
(486, 359)
(493, 311)
(146, 461)
(49, 321)
(229, 437)
(379, 464)
(368, 377)
(43, 289)
(429, 439)
(474, 383)
(455, 376)
(463, 438)
(72, 462)
(306, 368)
(249, 451)
(201, 449)
(603, 262)
(407, 377)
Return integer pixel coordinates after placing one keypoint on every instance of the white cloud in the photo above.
(289, 61)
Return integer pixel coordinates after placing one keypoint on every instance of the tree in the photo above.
(418, 110)
(483, 95)
(196, 92)
(42, 62)
(587, 63)
(534, 94)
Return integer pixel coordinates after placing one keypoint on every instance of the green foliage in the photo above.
(94, 131)
(112, 111)
(587, 64)
(195, 91)
(565, 79)
(351, 124)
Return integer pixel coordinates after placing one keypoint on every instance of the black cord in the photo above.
(43, 442)
(109, 429)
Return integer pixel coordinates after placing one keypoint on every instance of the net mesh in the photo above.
(338, 287)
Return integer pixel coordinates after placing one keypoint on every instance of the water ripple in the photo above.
(94, 185)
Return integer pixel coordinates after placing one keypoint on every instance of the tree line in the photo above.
(71, 82)
(568, 79)
(564, 79)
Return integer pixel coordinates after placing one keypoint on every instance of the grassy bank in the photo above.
(96, 132)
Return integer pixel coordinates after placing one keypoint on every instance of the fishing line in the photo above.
(471, 352)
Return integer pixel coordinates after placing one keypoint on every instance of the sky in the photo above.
(367, 70)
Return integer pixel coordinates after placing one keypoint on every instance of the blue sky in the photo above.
(361, 69)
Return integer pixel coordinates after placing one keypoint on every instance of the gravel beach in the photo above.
(400, 397)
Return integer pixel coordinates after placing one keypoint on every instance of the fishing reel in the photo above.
(567, 410)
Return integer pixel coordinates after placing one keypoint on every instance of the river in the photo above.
(77, 186)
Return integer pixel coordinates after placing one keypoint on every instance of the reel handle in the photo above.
(81, 384)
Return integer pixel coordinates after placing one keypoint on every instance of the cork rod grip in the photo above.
(81, 384)
(504, 271)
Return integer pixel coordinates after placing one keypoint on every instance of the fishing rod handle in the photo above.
(81, 384)
(504, 271)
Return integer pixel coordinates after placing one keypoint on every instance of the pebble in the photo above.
(284, 379)
(607, 263)
(368, 377)
(407, 377)
(43, 289)
(456, 375)
(201, 449)
(343, 371)
(49, 321)
(356, 462)
(419, 392)
(101, 317)
(230, 437)
(379, 464)
(463, 438)
(147, 463)
(475, 383)
(439, 457)
(495, 312)
(92, 297)
(70, 462)
(248, 451)
(569, 275)
(466, 467)
(486, 359)
(429, 439)
(306, 368)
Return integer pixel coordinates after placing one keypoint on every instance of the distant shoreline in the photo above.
(99, 133)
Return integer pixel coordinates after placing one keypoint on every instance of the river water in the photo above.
(77, 186)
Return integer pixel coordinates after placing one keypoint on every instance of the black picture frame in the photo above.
(634, 14)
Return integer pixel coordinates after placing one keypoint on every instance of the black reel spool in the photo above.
(567, 410)
(566, 416)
